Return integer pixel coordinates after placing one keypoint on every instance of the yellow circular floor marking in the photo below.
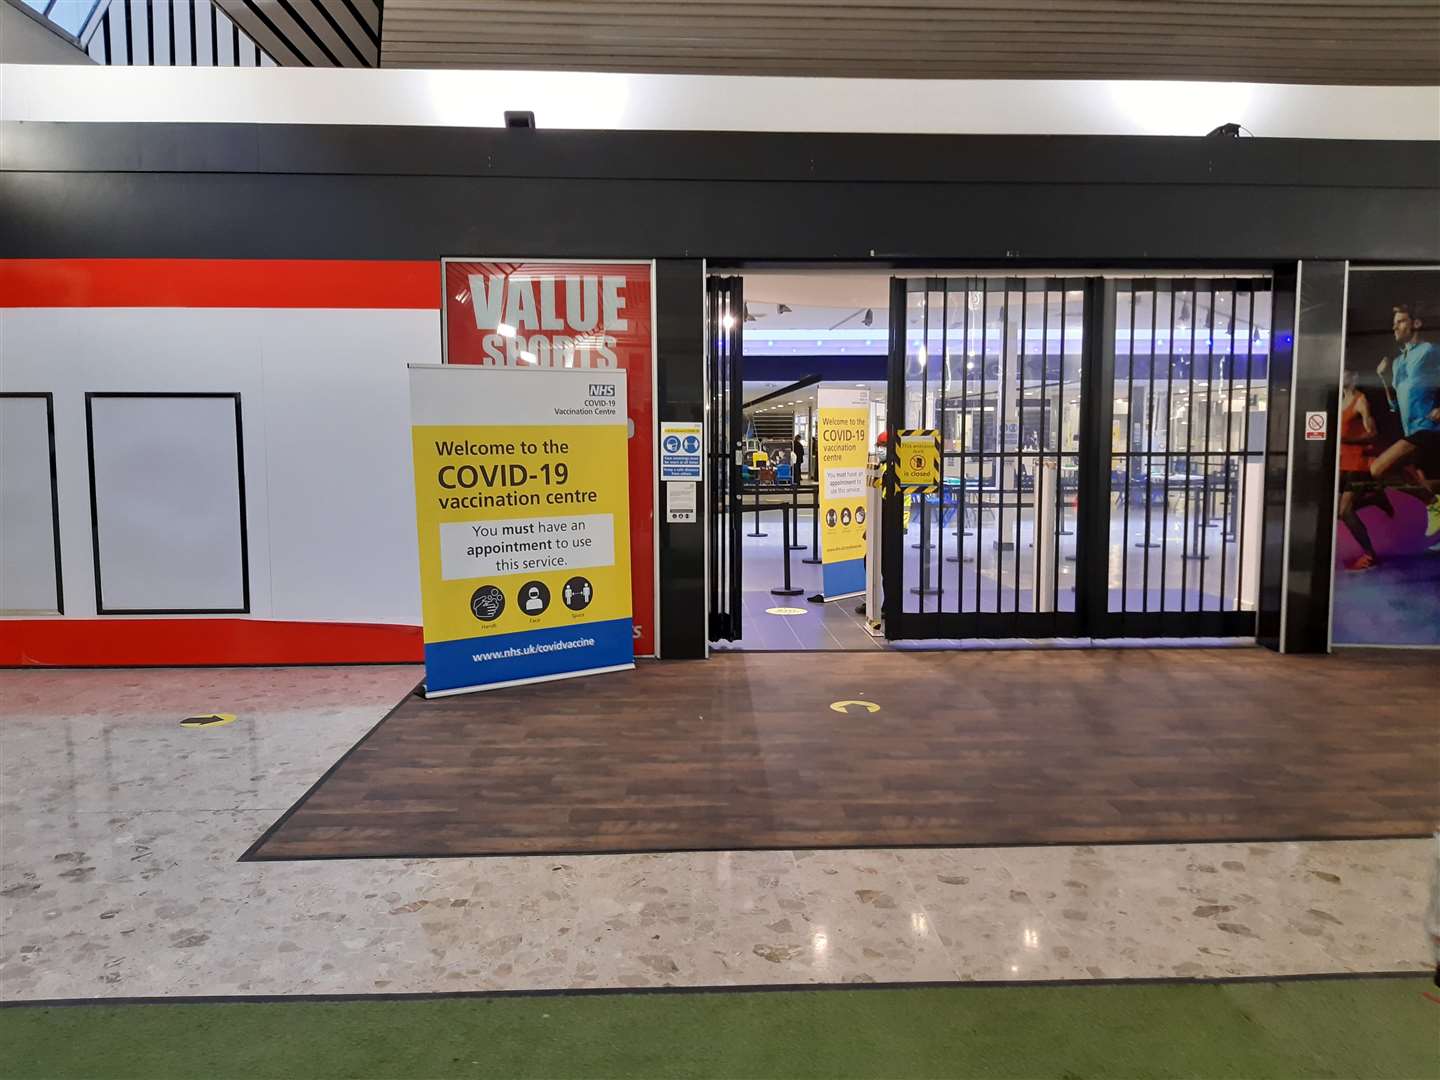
(844, 706)
(784, 611)
(209, 720)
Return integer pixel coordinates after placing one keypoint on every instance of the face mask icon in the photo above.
(533, 598)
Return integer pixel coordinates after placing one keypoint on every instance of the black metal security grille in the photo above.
(994, 364)
(1189, 396)
(1102, 456)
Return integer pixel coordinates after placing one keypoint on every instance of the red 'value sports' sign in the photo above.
(540, 313)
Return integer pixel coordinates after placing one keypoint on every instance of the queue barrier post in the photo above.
(815, 557)
(787, 589)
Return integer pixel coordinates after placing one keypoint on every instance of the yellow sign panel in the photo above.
(533, 534)
(917, 457)
(842, 426)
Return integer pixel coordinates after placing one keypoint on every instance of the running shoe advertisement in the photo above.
(1387, 540)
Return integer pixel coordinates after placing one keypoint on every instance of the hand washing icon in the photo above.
(486, 603)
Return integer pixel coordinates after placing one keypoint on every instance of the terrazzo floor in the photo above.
(120, 831)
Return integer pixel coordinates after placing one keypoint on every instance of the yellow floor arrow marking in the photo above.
(208, 720)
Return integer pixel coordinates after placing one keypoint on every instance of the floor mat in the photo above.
(892, 749)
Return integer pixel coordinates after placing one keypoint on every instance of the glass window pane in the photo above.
(71, 15)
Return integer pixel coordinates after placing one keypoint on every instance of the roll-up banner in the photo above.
(842, 424)
(522, 508)
(538, 314)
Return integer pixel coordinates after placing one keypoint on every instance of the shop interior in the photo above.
(997, 366)
(802, 332)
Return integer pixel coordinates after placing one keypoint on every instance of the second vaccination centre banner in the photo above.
(537, 314)
(842, 425)
(522, 509)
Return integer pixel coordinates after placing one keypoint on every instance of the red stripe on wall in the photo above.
(219, 283)
(186, 642)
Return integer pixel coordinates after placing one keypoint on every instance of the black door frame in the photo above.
(725, 432)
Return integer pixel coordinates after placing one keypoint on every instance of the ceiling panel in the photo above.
(312, 33)
(1385, 42)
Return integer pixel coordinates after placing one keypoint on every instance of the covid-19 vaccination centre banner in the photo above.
(598, 315)
(522, 509)
(842, 426)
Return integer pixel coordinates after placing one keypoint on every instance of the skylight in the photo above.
(69, 15)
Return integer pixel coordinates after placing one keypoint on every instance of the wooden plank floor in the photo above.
(1005, 747)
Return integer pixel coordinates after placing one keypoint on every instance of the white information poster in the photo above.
(680, 501)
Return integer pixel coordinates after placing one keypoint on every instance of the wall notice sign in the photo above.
(680, 444)
(680, 501)
(522, 509)
(1317, 426)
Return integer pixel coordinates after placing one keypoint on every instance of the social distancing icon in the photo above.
(577, 593)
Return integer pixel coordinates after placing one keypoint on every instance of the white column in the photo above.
(1046, 542)
(1252, 490)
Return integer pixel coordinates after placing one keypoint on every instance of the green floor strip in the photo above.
(1353, 1028)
